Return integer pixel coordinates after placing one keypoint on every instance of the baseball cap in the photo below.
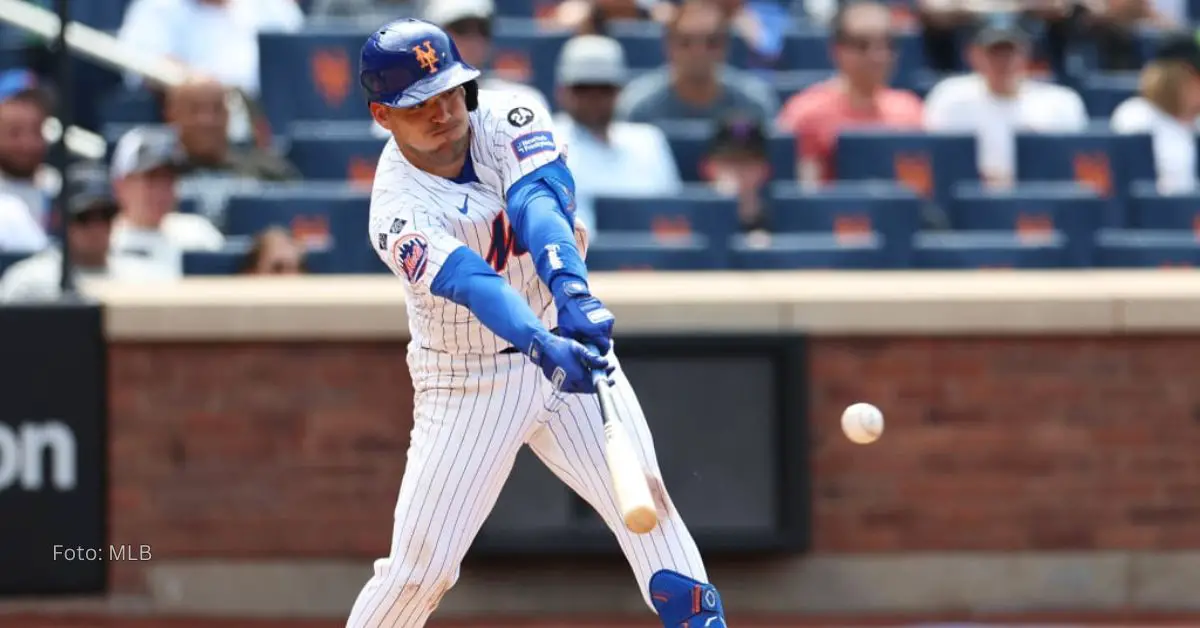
(1180, 46)
(13, 82)
(738, 134)
(999, 28)
(591, 60)
(143, 149)
(443, 12)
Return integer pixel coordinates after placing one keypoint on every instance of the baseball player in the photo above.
(473, 210)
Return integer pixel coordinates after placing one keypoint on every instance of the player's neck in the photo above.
(447, 169)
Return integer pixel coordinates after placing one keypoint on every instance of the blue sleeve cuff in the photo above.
(467, 280)
(541, 208)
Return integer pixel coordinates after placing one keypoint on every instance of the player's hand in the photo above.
(566, 363)
(583, 317)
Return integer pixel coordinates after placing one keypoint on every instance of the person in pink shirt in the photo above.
(858, 95)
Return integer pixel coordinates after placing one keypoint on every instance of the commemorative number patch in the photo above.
(411, 254)
(531, 144)
(520, 117)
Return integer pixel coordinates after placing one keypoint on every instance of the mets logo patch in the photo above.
(531, 144)
(411, 253)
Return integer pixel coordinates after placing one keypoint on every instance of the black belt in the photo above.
(512, 350)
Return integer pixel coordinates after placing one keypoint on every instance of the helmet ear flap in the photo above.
(472, 94)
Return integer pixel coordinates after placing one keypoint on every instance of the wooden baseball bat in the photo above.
(628, 477)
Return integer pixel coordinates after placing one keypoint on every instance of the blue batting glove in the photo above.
(566, 363)
(583, 317)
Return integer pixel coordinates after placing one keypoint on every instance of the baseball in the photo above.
(862, 423)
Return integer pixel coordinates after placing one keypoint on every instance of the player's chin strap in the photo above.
(682, 602)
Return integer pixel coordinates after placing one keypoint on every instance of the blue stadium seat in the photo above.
(642, 251)
(525, 51)
(344, 151)
(929, 164)
(696, 211)
(8, 259)
(311, 75)
(1129, 248)
(1099, 158)
(1150, 210)
(886, 209)
(811, 251)
(788, 83)
(983, 249)
(319, 215)
(1075, 211)
(229, 260)
(689, 140)
(1104, 92)
(127, 106)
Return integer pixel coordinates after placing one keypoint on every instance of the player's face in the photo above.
(437, 128)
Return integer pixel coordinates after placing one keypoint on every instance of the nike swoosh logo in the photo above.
(466, 201)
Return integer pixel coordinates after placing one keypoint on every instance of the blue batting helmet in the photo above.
(408, 61)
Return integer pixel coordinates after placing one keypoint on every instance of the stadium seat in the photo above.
(334, 216)
(811, 251)
(788, 83)
(1129, 248)
(1108, 162)
(690, 139)
(807, 48)
(1075, 211)
(228, 261)
(886, 209)
(311, 75)
(345, 151)
(8, 259)
(1150, 210)
(127, 106)
(929, 164)
(642, 251)
(524, 51)
(696, 211)
(990, 249)
(1104, 92)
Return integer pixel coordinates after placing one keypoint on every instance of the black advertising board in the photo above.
(729, 420)
(53, 413)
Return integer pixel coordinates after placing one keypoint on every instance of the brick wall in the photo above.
(264, 450)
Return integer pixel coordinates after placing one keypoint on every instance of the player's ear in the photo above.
(380, 114)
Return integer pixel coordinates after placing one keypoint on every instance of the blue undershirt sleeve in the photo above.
(541, 208)
(466, 279)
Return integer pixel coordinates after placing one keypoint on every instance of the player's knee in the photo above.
(418, 582)
(683, 601)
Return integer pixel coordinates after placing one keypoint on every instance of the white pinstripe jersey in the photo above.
(417, 219)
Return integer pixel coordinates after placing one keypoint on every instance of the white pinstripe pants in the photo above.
(468, 428)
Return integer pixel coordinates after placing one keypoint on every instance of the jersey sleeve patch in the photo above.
(530, 144)
(411, 254)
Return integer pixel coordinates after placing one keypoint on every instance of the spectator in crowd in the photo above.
(997, 100)
(469, 23)
(368, 13)
(24, 108)
(275, 252)
(737, 164)
(19, 232)
(1115, 25)
(213, 38)
(607, 157)
(198, 111)
(91, 212)
(696, 83)
(145, 167)
(1168, 108)
(864, 53)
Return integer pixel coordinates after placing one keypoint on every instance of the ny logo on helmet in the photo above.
(427, 57)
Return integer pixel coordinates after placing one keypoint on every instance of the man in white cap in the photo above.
(145, 169)
(612, 158)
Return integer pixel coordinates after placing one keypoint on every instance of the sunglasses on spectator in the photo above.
(471, 26)
(594, 88)
(863, 43)
(711, 41)
(93, 216)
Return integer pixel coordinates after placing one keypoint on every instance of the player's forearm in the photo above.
(545, 227)
(467, 280)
